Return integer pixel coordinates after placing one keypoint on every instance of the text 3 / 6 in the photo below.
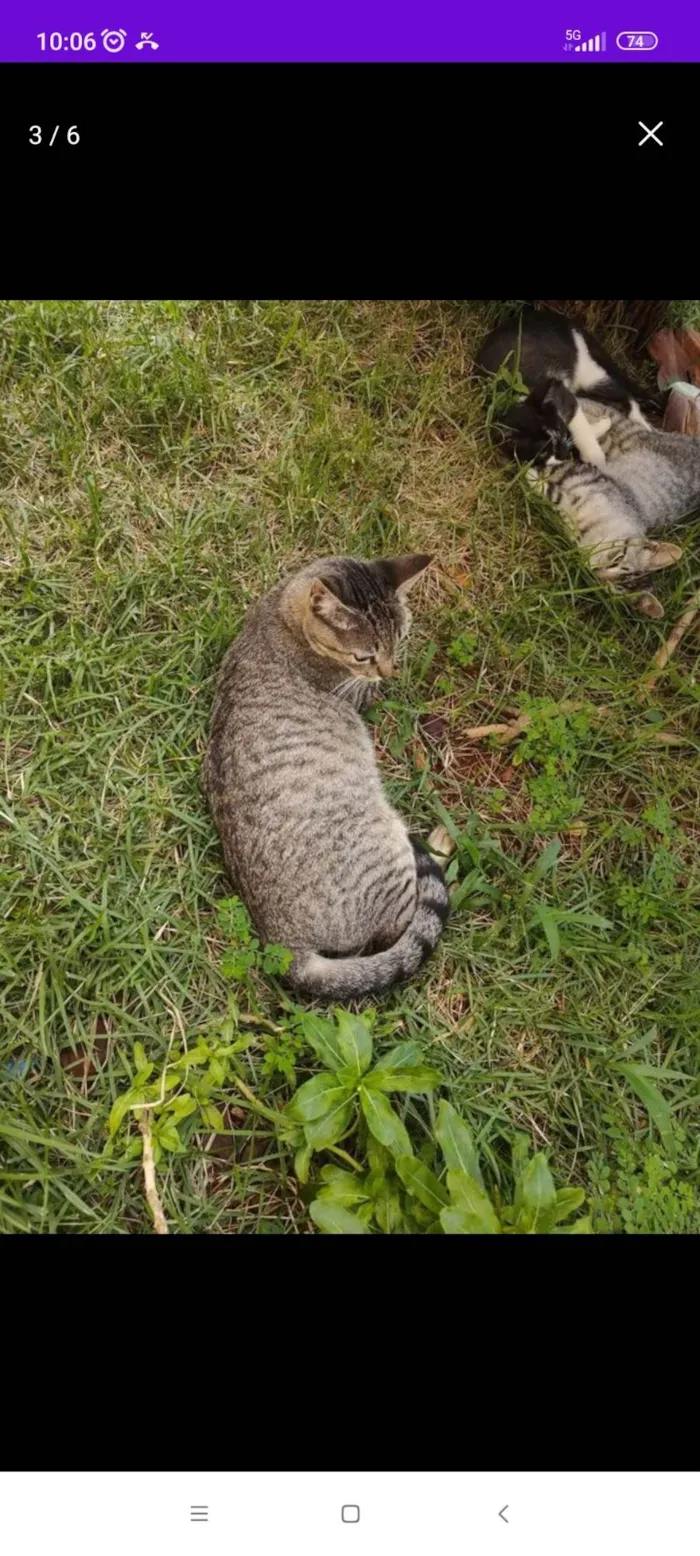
(36, 135)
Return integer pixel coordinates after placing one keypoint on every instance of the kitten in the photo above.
(543, 347)
(651, 480)
(549, 425)
(542, 344)
(323, 862)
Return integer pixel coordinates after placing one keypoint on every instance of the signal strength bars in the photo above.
(199, 1514)
(594, 45)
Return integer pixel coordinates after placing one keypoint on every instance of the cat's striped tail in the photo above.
(353, 977)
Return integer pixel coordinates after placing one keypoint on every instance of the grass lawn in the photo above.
(161, 465)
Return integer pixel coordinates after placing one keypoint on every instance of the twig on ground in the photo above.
(149, 1175)
(665, 738)
(506, 731)
(440, 844)
(247, 1020)
(668, 649)
(510, 731)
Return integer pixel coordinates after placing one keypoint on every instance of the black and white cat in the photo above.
(547, 427)
(548, 349)
(616, 480)
(649, 483)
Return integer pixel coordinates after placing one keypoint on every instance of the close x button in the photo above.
(650, 135)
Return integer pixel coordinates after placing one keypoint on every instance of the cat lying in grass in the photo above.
(617, 481)
(647, 482)
(321, 859)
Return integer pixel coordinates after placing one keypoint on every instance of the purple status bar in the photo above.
(155, 32)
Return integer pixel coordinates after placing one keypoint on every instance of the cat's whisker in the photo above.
(345, 688)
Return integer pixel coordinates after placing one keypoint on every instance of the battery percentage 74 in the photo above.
(636, 42)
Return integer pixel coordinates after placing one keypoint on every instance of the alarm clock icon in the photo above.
(113, 40)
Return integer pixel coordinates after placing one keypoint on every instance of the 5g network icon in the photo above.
(113, 40)
(575, 44)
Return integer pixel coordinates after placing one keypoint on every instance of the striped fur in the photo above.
(312, 845)
(649, 481)
(351, 977)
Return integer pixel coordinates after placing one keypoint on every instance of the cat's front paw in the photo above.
(584, 436)
(642, 601)
(648, 605)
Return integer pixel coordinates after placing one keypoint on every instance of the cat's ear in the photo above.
(326, 605)
(665, 554)
(401, 572)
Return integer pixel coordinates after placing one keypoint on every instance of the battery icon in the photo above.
(636, 42)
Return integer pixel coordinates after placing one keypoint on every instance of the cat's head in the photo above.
(633, 558)
(355, 612)
(536, 431)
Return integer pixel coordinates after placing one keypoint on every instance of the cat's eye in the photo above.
(364, 659)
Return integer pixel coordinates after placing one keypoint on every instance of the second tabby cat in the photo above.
(649, 482)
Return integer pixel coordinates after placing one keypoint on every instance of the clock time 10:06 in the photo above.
(58, 41)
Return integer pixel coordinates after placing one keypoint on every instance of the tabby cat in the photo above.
(323, 862)
(650, 481)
